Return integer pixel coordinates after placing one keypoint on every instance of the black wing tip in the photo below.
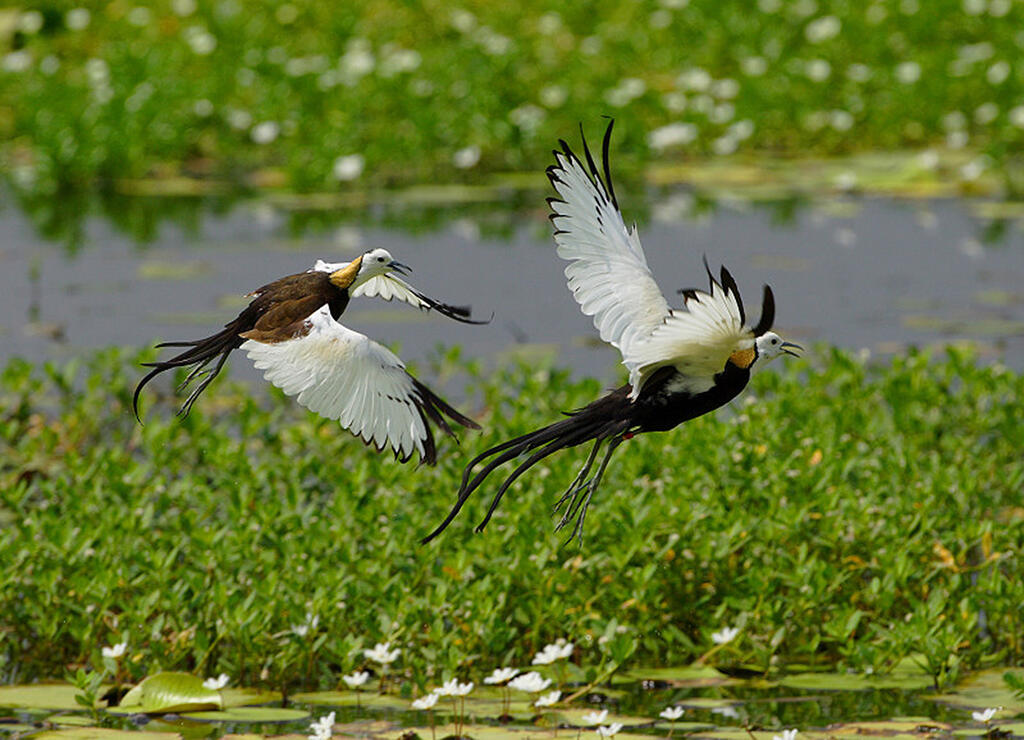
(764, 324)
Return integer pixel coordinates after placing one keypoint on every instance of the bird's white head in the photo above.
(365, 267)
(377, 262)
(770, 345)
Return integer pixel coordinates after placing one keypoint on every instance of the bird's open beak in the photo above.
(399, 267)
(791, 349)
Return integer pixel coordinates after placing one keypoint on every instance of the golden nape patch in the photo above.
(346, 275)
(743, 357)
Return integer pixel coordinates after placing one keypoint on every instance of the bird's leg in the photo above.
(573, 489)
(196, 372)
(591, 488)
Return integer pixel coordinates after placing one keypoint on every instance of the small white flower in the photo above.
(216, 684)
(725, 635)
(356, 680)
(754, 66)
(786, 735)
(549, 699)
(466, 157)
(454, 688)
(321, 729)
(265, 132)
(818, 70)
(672, 135)
(425, 702)
(77, 19)
(822, 29)
(672, 713)
(986, 715)
(609, 730)
(348, 167)
(1017, 116)
(908, 72)
(594, 718)
(501, 675)
(530, 682)
(30, 22)
(382, 652)
(729, 711)
(115, 651)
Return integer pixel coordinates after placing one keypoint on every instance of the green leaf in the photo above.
(170, 692)
(251, 714)
(41, 696)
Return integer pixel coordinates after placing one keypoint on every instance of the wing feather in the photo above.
(342, 374)
(607, 272)
(697, 341)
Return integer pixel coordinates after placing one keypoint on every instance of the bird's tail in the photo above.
(608, 417)
(198, 355)
(435, 408)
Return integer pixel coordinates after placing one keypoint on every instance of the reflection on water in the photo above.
(869, 273)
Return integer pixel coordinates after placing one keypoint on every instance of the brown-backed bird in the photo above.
(290, 331)
(682, 362)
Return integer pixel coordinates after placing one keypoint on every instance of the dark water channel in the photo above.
(860, 273)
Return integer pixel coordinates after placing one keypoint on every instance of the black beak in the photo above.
(791, 349)
(399, 267)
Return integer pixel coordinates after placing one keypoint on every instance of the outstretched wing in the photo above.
(391, 286)
(342, 374)
(697, 341)
(607, 271)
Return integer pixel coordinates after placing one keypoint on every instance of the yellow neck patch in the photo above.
(743, 357)
(344, 277)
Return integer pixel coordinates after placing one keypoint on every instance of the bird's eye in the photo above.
(775, 341)
(380, 259)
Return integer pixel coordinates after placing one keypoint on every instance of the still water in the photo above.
(869, 274)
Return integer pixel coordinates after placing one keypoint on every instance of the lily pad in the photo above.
(243, 697)
(104, 733)
(690, 675)
(170, 692)
(41, 696)
(352, 699)
(912, 727)
(906, 675)
(574, 716)
(983, 690)
(251, 714)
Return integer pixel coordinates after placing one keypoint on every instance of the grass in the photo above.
(842, 514)
(314, 97)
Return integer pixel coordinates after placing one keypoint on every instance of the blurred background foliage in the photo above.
(324, 96)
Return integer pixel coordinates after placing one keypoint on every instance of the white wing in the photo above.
(387, 287)
(697, 341)
(607, 272)
(342, 374)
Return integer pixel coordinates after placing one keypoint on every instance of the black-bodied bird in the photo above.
(290, 331)
(682, 362)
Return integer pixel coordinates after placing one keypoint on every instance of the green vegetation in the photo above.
(315, 96)
(842, 515)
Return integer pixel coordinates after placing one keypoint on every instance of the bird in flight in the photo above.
(290, 331)
(682, 363)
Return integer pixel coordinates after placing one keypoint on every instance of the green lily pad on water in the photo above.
(738, 733)
(491, 732)
(169, 692)
(906, 674)
(575, 716)
(251, 714)
(706, 702)
(103, 733)
(983, 690)
(242, 697)
(353, 699)
(690, 675)
(41, 696)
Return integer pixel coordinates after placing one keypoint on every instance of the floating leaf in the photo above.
(251, 714)
(104, 733)
(243, 697)
(351, 699)
(983, 690)
(690, 675)
(170, 692)
(41, 696)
